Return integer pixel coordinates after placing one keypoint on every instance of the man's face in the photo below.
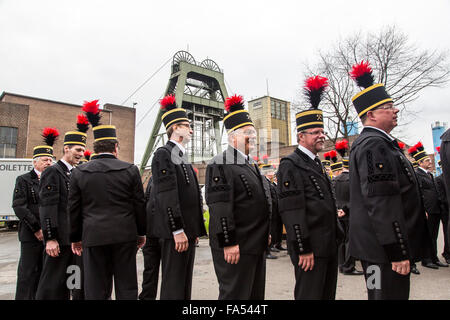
(313, 139)
(74, 155)
(426, 164)
(245, 139)
(184, 130)
(385, 116)
(42, 163)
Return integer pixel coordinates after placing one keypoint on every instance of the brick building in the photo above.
(22, 119)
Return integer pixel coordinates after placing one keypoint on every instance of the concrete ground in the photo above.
(429, 285)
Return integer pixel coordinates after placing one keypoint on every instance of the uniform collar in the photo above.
(307, 152)
(179, 145)
(387, 134)
(68, 166)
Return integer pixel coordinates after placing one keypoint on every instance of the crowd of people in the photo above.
(371, 205)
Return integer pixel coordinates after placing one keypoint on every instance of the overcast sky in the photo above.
(73, 51)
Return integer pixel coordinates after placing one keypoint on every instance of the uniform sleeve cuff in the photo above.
(396, 252)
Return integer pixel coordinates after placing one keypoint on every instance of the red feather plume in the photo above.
(87, 153)
(327, 156)
(438, 149)
(412, 150)
(401, 145)
(256, 158)
(316, 83)
(234, 102)
(342, 145)
(168, 101)
(360, 69)
(333, 155)
(91, 107)
(50, 135)
(82, 119)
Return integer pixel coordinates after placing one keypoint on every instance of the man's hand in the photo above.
(269, 240)
(52, 248)
(231, 254)
(306, 261)
(340, 213)
(39, 235)
(141, 241)
(77, 248)
(401, 267)
(181, 242)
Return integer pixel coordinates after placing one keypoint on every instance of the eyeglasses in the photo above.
(385, 107)
(316, 132)
(190, 125)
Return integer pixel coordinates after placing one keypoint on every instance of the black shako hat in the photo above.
(236, 116)
(373, 95)
(171, 113)
(312, 117)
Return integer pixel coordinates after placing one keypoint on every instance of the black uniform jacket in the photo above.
(341, 186)
(307, 206)
(440, 185)
(239, 202)
(26, 206)
(176, 201)
(106, 202)
(53, 196)
(388, 220)
(431, 198)
(445, 161)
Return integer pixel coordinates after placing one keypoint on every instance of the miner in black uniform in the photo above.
(341, 186)
(432, 201)
(151, 253)
(239, 202)
(107, 216)
(387, 220)
(440, 185)
(178, 212)
(307, 204)
(26, 208)
(53, 195)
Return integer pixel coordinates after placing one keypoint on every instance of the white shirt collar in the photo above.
(381, 130)
(243, 154)
(183, 149)
(37, 172)
(69, 167)
(308, 153)
(423, 170)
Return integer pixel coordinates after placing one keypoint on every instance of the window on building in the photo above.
(272, 108)
(283, 111)
(8, 142)
(257, 105)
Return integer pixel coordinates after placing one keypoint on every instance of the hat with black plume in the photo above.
(327, 161)
(313, 116)
(101, 132)
(417, 152)
(171, 113)
(50, 135)
(236, 116)
(373, 95)
(342, 149)
(336, 165)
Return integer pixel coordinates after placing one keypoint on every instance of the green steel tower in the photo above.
(200, 89)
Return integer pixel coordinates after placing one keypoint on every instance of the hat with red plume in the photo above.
(171, 112)
(313, 116)
(342, 149)
(327, 159)
(101, 131)
(373, 95)
(236, 116)
(417, 152)
(50, 135)
(336, 165)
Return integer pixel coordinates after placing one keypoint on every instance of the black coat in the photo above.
(440, 185)
(239, 202)
(175, 196)
(431, 198)
(106, 202)
(53, 195)
(26, 206)
(387, 222)
(341, 186)
(307, 206)
(445, 161)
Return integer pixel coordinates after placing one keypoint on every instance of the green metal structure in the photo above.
(200, 89)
